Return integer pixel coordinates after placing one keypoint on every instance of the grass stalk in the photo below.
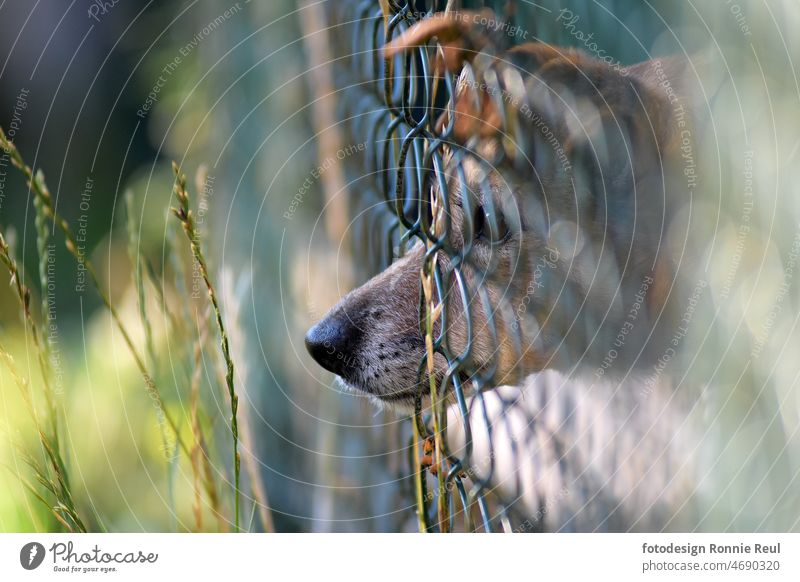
(185, 216)
(138, 278)
(433, 312)
(201, 468)
(232, 304)
(194, 399)
(419, 479)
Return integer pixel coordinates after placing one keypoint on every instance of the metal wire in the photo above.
(393, 107)
(416, 170)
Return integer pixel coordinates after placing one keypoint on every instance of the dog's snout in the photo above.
(332, 343)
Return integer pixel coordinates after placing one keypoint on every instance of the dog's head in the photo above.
(553, 212)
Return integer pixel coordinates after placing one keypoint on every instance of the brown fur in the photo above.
(607, 196)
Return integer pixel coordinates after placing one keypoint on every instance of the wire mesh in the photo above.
(428, 181)
(395, 105)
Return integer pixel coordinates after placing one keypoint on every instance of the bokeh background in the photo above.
(103, 96)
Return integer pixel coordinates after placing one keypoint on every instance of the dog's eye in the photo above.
(487, 229)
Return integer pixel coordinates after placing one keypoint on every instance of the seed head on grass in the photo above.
(52, 476)
(23, 292)
(184, 214)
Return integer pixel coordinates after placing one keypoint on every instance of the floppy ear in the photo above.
(459, 35)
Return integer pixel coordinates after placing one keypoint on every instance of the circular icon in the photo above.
(31, 555)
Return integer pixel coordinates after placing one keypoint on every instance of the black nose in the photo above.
(333, 343)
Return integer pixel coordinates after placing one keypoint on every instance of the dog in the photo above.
(564, 175)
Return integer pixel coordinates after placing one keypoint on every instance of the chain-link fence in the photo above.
(450, 136)
(395, 112)
(396, 106)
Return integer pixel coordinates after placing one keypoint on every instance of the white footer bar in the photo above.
(388, 557)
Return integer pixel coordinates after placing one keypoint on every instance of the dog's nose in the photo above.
(333, 342)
